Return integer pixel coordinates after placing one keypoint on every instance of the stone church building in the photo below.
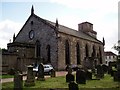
(40, 40)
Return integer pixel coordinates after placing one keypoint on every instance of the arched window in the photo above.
(86, 51)
(38, 48)
(67, 52)
(78, 53)
(48, 54)
(94, 52)
(100, 53)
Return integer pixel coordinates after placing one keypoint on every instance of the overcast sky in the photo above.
(103, 14)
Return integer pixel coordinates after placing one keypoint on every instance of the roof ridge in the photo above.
(52, 24)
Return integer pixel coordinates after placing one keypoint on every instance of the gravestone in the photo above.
(53, 73)
(89, 75)
(67, 67)
(30, 77)
(80, 76)
(114, 70)
(69, 70)
(41, 72)
(69, 76)
(18, 81)
(117, 75)
(100, 72)
(109, 70)
(105, 68)
(73, 86)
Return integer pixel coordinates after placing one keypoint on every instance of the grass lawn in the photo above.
(60, 82)
(6, 76)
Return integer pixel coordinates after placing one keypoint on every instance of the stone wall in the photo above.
(42, 32)
(72, 42)
(8, 61)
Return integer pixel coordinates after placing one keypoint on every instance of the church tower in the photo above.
(87, 28)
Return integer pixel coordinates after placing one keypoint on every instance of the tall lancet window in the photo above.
(67, 53)
(86, 51)
(100, 53)
(38, 49)
(78, 53)
(48, 54)
(94, 52)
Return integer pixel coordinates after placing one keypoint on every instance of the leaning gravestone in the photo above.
(100, 72)
(53, 73)
(117, 75)
(89, 74)
(18, 81)
(30, 77)
(69, 76)
(80, 76)
(73, 86)
(105, 68)
(41, 72)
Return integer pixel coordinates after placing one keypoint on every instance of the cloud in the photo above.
(109, 5)
(7, 29)
(102, 13)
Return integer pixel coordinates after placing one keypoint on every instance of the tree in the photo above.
(117, 47)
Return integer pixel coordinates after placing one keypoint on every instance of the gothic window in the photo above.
(100, 53)
(78, 53)
(86, 50)
(38, 48)
(94, 52)
(48, 54)
(67, 52)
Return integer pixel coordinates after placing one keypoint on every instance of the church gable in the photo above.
(34, 29)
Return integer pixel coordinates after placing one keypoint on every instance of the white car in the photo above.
(47, 69)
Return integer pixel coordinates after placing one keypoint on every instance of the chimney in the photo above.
(87, 28)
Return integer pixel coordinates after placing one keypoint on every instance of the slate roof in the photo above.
(74, 32)
(67, 30)
(109, 53)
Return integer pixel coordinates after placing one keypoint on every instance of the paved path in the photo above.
(60, 73)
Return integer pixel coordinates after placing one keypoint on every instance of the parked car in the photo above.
(47, 69)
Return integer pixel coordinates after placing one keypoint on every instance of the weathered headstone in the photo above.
(41, 72)
(69, 70)
(69, 76)
(109, 70)
(100, 72)
(53, 73)
(30, 77)
(105, 68)
(89, 75)
(18, 81)
(80, 76)
(73, 86)
(113, 70)
(67, 67)
(115, 76)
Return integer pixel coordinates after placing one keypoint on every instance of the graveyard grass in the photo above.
(6, 76)
(60, 82)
